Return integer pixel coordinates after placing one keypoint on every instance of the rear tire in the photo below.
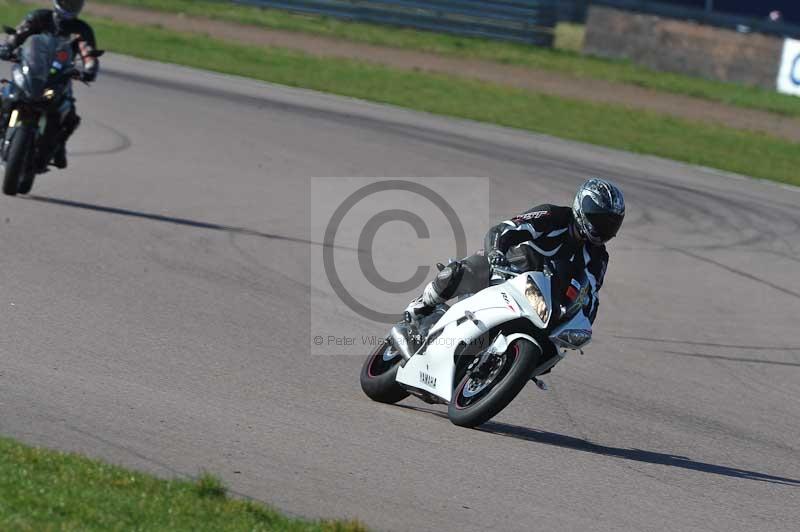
(521, 359)
(16, 161)
(378, 376)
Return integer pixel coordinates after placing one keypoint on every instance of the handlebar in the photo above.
(70, 72)
(506, 272)
(509, 272)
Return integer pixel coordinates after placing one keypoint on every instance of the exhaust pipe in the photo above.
(400, 342)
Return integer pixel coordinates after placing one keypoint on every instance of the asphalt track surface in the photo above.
(155, 311)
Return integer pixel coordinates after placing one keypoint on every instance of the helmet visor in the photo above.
(69, 8)
(604, 225)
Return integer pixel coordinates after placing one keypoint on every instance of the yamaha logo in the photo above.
(427, 380)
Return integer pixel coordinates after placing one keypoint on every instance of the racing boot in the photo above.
(424, 305)
(60, 156)
(438, 291)
(71, 123)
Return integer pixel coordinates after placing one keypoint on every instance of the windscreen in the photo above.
(38, 54)
(44, 56)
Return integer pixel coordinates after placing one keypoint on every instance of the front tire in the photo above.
(476, 402)
(26, 183)
(16, 160)
(379, 373)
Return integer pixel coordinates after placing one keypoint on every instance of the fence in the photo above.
(572, 10)
(704, 16)
(526, 21)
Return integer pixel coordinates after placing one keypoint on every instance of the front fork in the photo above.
(8, 121)
(11, 119)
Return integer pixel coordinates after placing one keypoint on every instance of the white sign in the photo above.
(789, 75)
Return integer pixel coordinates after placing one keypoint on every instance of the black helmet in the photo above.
(599, 209)
(68, 9)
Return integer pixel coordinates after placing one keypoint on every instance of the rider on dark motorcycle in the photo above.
(62, 21)
(574, 234)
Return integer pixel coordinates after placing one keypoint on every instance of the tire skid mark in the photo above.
(122, 143)
(707, 344)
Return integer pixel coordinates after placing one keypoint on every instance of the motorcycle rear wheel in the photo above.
(476, 403)
(16, 160)
(379, 373)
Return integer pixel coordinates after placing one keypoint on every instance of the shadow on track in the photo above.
(636, 455)
(177, 221)
(718, 345)
(733, 359)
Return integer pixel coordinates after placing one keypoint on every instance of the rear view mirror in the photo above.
(97, 53)
(9, 30)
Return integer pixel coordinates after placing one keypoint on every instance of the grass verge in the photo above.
(46, 490)
(566, 60)
(749, 153)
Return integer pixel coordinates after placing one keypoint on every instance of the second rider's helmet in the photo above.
(68, 9)
(599, 209)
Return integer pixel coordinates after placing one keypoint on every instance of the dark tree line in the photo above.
(789, 9)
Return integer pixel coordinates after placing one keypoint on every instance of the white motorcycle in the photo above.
(477, 355)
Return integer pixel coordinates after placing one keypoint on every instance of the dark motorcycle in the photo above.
(39, 91)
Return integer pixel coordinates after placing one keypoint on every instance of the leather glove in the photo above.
(6, 52)
(497, 258)
(82, 76)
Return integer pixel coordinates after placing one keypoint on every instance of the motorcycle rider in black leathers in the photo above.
(63, 21)
(577, 233)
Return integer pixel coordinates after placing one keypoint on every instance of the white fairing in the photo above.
(433, 369)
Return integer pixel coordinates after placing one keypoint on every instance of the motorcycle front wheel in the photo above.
(483, 392)
(16, 160)
(26, 182)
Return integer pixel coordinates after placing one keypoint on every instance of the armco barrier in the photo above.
(742, 24)
(684, 46)
(573, 10)
(527, 21)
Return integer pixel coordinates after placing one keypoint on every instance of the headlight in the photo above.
(572, 338)
(536, 299)
(19, 79)
(49, 94)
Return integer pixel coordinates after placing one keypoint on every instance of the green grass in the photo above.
(750, 153)
(47, 490)
(566, 60)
